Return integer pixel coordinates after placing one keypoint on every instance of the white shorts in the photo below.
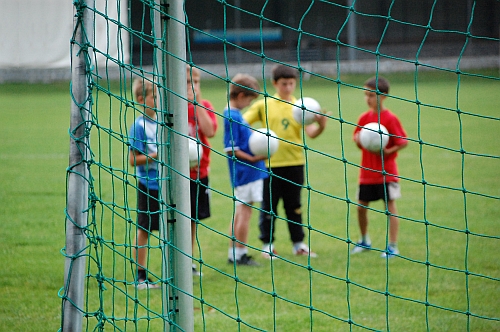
(249, 193)
(394, 190)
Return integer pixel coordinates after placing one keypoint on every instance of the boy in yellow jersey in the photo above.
(287, 164)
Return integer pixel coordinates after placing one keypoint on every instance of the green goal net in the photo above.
(442, 61)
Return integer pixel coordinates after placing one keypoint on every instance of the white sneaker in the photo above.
(303, 250)
(196, 273)
(267, 249)
(146, 284)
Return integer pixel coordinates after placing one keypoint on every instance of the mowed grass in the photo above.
(447, 277)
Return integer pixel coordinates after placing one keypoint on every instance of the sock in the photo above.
(267, 247)
(238, 252)
(231, 253)
(141, 274)
(366, 239)
(393, 245)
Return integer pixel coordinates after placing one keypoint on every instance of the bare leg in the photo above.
(140, 248)
(363, 217)
(241, 225)
(393, 222)
(193, 236)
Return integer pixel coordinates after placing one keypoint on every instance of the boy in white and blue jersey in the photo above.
(143, 141)
(143, 155)
(247, 171)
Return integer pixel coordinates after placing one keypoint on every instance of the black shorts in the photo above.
(374, 192)
(200, 199)
(148, 208)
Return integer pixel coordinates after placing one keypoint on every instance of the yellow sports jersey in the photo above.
(278, 117)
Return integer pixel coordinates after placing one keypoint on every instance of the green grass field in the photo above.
(447, 278)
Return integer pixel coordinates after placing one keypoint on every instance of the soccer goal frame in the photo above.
(175, 230)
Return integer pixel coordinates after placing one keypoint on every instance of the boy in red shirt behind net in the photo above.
(374, 183)
(202, 125)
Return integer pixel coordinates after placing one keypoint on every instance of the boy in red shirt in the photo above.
(378, 178)
(202, 124)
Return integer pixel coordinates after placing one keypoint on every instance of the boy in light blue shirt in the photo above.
(143, 155)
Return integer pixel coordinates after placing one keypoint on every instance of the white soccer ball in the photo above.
(371, 139)
(195, 153)
(305, 116)
(262, 145)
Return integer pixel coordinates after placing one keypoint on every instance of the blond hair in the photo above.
(192, 71)
(142, 87)
(243, 83)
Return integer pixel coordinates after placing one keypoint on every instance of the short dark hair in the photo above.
(382, 85)
(282, 71)
(245, 84)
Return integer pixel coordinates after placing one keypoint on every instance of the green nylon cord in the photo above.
(337, 290)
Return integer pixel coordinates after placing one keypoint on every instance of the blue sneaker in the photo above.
(390, 252)
(360, 247)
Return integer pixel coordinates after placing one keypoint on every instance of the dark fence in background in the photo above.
(274, 28)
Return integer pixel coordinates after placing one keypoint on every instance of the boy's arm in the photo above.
(137, 158)
(400, 140)
(242, 155)
(356, 139)
(137, 155)
(395, 148)
(315, 129)
(205, 122)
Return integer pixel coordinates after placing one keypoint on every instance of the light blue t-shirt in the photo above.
(236, 135)
(143, 139)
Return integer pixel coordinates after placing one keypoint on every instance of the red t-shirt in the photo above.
(201, 171)
(371, 171)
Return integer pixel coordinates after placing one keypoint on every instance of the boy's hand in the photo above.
(394, 148)
(356, 140)
(254, 159)
(316, 128)
(387, 151)
(247, 157)
(321, 118)
(136, 158)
